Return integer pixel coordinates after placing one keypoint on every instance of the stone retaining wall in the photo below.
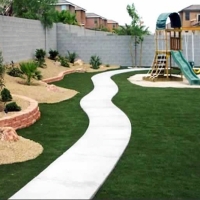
(23, 118)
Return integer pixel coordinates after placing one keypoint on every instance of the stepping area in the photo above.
(82, 169)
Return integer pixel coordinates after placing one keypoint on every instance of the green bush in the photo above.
(29, 69)
(40, 55)
(5, 95)
(63, 61)
(95, 61)
(10, 107)
(53, 54)
(71, 56)
(14, 71)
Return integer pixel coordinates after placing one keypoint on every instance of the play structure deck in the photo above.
(168, 50)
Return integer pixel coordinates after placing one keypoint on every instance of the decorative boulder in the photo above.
(8, 134)
(78, 62)
(57, 63)
(52, 88)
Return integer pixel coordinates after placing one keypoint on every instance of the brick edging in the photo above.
(22, 118)
(59, 77)
(30, 115)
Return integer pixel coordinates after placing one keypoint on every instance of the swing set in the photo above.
(168, 43)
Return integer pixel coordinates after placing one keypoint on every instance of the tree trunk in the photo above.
(131, 51)
(135, 51)
(141, 53)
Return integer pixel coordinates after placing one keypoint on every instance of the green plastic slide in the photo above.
(185, 68)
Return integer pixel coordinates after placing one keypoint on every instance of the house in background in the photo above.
(190, 16)
(80, 15)
(94, 21)
(111, 25)
(104, 22)
(65, 5)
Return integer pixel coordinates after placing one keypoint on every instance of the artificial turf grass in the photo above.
(59, 127)
(162, 158)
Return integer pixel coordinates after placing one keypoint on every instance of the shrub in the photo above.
(95, 61)
(71, 56)
(107, 65)
(53, 54)
(29, 69)
(15, 72)
(63, 61)
(5, 95)
(12, 107)
(40, 55)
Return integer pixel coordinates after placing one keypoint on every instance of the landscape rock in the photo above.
(78, 62)
(8, 134)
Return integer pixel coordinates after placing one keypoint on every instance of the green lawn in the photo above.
(60, 126)
(162, 160)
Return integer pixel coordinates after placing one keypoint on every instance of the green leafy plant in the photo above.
(95, 61)
(71, 56)
(66, 17)
(40, 55)
(14, 71)
(63, 61)
(5, 95)
(12, 107)
(29, 69)
(53, 54)
(107, 65)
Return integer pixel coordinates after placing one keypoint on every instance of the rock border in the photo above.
(22, 118)
(29, 116)
(59, 77)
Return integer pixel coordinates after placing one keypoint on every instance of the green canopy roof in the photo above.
(174, 18)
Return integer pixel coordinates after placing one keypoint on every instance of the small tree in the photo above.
(134, 30)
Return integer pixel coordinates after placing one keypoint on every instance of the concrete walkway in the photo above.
(80, 171)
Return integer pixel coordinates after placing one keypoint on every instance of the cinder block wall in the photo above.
(19, 38)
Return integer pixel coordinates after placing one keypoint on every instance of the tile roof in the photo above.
(191, 8)
(79, 8)
(64, 2)
(94, 15)
(111, 22)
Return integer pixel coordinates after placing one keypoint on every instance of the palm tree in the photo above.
(29, 69)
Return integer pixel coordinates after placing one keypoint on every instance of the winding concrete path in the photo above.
(80, 171)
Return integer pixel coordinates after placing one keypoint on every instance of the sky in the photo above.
(149, 10)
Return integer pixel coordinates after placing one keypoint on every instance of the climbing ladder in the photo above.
(159, 66)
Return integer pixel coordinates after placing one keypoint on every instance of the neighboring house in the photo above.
(94, 21)
(80, 15)
(190, 16)
(111, 25)
(65, 5)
